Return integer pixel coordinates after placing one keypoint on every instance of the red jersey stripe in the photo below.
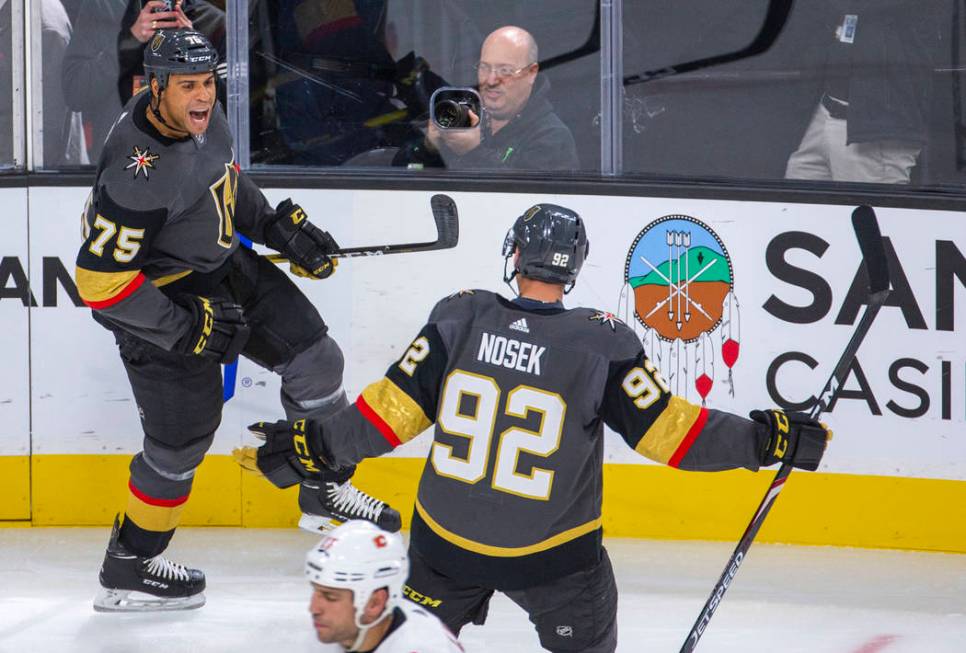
(378, 422)
(153, 501)
(689, 439)
(126, 292)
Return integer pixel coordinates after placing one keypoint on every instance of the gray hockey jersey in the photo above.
(162, 209)
(512, 488)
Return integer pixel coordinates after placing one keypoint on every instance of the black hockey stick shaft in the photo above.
(445, 217)
(775, 20)
(873, 254)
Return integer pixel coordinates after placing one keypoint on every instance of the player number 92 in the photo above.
(644, 385)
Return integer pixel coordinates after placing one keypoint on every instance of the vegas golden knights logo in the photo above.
(157, 41)
(224, 191)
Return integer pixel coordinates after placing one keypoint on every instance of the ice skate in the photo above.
(132, 583)
(327, 504)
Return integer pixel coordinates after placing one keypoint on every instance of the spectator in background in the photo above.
(341, 98)
(870, 122)
(519, 129)
(103, 63)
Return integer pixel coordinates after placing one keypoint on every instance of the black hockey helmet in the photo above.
(178, 51)
(553, 245)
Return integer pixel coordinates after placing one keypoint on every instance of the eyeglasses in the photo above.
(502, 72)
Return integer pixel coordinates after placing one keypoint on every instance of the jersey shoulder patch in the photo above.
(605, 318)
(608, 332)
(459, 294)
(459, 304)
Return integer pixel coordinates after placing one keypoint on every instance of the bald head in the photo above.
(508, 69)
(516, 40)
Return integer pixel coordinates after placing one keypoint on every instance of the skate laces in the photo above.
(161, 566)
(351, 500)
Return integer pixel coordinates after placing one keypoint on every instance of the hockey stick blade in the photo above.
(873, 254)
(445, 217)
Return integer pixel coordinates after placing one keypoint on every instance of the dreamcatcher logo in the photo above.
(679, 283)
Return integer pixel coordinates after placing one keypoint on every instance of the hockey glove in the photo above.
(219, 331)
(307, 247)
(287, 457)
(791, 438)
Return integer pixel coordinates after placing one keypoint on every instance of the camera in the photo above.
(450, 106)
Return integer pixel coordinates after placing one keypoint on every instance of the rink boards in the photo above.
(768, 292)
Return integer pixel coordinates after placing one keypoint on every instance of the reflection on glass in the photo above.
(6, 86)
(63, 136)
(343, 82)
(850, 92)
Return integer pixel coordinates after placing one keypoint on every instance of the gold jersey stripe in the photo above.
(153, 518)
(170, 278)
(100, 286)
(507, 551)
(668, 431)
(396, 408)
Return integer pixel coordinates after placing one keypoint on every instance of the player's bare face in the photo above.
(188, 101)
(333, 615)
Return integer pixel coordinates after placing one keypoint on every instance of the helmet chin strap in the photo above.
(509, 276)
(364, 628)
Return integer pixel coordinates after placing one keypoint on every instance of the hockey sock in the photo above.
(149, 521)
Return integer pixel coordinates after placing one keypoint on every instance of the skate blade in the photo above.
(318, 524)
(114, 600)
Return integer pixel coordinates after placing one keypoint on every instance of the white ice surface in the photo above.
(815, 599)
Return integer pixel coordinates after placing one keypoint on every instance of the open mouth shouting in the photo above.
(198, 119)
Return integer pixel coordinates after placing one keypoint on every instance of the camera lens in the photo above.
(451, 114)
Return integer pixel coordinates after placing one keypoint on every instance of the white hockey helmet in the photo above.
(360, 556)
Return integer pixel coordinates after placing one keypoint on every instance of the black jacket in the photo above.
(897, 46)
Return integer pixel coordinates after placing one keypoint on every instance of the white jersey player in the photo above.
(357, 573)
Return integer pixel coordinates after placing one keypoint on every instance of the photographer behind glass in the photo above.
(518, 129)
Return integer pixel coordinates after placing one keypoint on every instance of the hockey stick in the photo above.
(447, 222)
(775, 20)
(873, 254)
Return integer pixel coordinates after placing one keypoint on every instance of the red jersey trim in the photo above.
(378, 422)
(126, 292)
(689, 439)
(153, 501)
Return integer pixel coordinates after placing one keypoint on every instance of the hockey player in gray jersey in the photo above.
(510, 497)
(162, 268)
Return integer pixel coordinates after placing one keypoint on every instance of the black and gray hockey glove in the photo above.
(792, 438)
(219, 331)
(307, 247)
(291, 453)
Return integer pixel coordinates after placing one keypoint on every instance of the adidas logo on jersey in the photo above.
(520, 325)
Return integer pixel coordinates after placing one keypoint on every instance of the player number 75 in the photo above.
(128, 240)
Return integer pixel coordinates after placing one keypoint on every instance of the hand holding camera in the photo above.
(454, 119)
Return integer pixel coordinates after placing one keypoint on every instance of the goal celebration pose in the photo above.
(162, 268)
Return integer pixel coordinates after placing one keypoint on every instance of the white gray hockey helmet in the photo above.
(360, 556)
